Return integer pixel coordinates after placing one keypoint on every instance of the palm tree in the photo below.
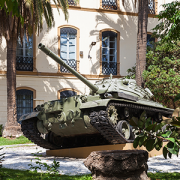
(31, 17)
(141, 41)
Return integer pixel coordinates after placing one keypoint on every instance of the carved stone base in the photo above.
(12, 131)
(118, 165)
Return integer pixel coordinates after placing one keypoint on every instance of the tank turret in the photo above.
(102, 117)
(106, 85)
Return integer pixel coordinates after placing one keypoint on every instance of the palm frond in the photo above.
(64, 6)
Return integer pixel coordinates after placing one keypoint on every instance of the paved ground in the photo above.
(19, 156)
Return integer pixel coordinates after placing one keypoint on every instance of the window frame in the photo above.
(34, 52)
(117, 48)
(77, 45)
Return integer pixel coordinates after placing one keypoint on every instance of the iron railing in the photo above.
(151, 6)
(109, 4)
(109, 68)
(71, 63)
(71, 3)
(24, 63)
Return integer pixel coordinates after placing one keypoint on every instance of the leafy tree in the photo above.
(162, 75)
(30, 13)
(151, 135)
(163, 60)
(168, 30)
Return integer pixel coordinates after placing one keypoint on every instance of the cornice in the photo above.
(65, 75)
(105, 11)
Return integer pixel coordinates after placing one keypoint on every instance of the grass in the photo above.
(164, 176)
(11, 174)
(11, 141)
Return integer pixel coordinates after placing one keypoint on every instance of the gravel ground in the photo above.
(19, 156)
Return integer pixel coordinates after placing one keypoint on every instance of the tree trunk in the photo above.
(12, 128)
(141, 41)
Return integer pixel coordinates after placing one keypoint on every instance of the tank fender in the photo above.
(28, 116)
(96, 103)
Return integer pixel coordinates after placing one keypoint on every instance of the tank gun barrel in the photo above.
(61, 62)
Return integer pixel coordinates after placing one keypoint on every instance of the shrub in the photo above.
(162, 75)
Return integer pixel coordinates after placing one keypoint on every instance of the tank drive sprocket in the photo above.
(29, 129)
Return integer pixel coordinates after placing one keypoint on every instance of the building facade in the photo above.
(99, 39)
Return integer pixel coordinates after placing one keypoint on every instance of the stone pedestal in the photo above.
(118, 165)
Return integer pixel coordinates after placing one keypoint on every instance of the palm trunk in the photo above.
(141, 41)
(12, 128)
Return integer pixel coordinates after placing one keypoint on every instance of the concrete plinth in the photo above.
(83, 152)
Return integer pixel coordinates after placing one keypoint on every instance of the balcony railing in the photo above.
(71, 63)
(109, 68)
(109, 4)
(71, 3)
(24, 63)
(151, 5)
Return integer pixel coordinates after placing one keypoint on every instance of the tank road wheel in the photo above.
(124, 128)
(112, 115)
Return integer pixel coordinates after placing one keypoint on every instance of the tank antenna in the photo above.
(111, 76)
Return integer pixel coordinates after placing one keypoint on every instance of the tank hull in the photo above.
(93, 125)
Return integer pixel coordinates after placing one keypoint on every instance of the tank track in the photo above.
(30, 131)
(101, 122)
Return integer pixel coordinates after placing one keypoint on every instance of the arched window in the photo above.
(67, 92)
(109, 52)
(24, 100)
(150, 41)
(68, 47)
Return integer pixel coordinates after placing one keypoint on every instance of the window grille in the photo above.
(68, 47)
(71, 3)
(151, 6)
(24, 101)
(109, 52)
(24, 54)
(67, 93)
(71, 63)
(109, 68)
(109, 4)
(24, 63)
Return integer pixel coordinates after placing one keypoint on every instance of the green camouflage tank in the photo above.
(100, 118)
